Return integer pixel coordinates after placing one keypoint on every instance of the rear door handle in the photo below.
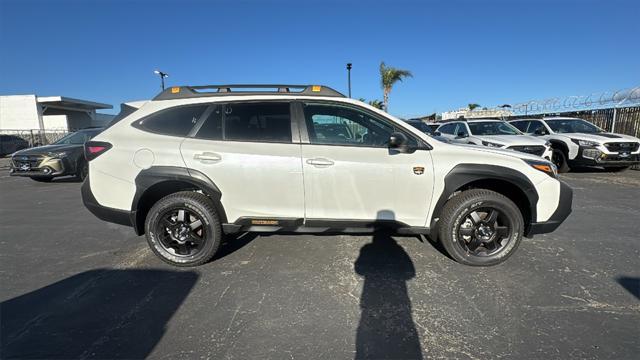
(320, 162)
(208, 157)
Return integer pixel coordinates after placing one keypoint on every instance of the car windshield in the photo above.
(572, 126)
(492, 128)
(77, 138)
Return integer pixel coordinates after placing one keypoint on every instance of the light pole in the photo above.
(349, 77)
(162, 76)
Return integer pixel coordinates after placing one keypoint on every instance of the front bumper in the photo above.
(562, 212)
(39, 166)
(589, 156)
(105, 213)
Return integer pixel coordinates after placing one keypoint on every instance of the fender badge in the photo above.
(418, 170)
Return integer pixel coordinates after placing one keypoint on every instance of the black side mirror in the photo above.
(540, 131)
(437, 133)
(462, 135)
(398, 141)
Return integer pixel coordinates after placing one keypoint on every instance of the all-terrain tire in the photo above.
(454, 213)
(559, 158)
(200, 205)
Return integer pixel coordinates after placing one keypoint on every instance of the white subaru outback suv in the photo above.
(197, 163)
(578, 142)
(494, 133)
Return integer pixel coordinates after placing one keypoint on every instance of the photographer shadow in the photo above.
(386, 329)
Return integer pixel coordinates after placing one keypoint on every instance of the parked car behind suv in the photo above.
(63, 157)
(199, 162)
(577, 142)
(494, 133)
(11, 143)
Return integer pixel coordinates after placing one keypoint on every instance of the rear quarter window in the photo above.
(176, 121)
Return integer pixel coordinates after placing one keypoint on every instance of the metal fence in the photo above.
(35, 137)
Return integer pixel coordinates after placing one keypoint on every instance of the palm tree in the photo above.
(389, 76)
(375, 103)
(473, 106)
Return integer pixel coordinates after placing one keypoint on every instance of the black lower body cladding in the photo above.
(562, 212)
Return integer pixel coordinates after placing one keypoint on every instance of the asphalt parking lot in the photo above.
(76, 287)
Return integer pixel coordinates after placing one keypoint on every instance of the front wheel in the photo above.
(183, 229)
(559, 158)
(480, 227)
(82, 170)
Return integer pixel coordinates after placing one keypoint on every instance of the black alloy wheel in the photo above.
(83, 170)
(184, 229)
(485, 231)
(559, 159)
(181, 232)
(480, 227)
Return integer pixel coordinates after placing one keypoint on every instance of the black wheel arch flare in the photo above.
(494, 178)
(159, 181)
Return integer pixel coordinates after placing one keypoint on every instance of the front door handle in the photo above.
(320, 162)
(208, 157)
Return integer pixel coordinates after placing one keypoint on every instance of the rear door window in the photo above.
(176, 121)
(262, 122)
(211, 129)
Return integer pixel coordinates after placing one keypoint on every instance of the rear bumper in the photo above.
(105, 213)
(562, 212)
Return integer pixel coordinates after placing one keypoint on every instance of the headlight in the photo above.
(544, 166)
(59, 154)
(585, 142)
(490, 144)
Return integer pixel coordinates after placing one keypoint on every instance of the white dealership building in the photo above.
(32, 112)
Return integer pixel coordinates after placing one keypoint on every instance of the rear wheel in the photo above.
(183, 229)
(480, 227)
(559, 158)
(42, 178)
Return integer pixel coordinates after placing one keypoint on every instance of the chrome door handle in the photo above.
(207, 157)
(320, 162)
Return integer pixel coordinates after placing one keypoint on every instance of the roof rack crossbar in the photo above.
(184, 92)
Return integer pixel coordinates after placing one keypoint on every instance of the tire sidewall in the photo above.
(564, 165)
(210, 222)
(455, 247)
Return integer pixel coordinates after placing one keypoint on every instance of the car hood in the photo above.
(600, 137)
(510, 140)
(516, 154)
(43, 150)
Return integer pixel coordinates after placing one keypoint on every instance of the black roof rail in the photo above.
(185, 92)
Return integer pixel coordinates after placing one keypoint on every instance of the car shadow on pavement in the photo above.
(106, 313)
(631, 284)
(386, 329)
(233, 243)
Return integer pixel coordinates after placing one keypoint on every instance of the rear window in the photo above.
(174, 122)
(265, 122)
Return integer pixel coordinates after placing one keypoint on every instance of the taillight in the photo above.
(93, 149)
